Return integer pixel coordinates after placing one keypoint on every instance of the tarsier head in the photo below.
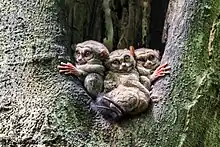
(89, 50)
(121, 60)
(147, 58)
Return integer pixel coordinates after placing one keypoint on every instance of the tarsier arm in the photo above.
(109, 82)
(91, 68)
(68, 68)
(143, 71)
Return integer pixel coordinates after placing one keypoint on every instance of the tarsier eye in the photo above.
(116, 62)
(141, 59)
(87, 53)
(127, 58)
(151, 57)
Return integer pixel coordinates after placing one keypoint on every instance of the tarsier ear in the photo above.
(73, 46)
(131, 48)
(104, 54)
(158, 51)
(158, 54)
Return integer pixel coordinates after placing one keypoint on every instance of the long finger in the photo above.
(166, 68)
(162, 66)
(65, 70)
(163, 69)
(62, 63)
(62, 67)
(165, 72)
(69, 72)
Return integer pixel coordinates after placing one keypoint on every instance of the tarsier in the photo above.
(123, 92)
(127, 82)
(89, 68)
(148, 62)
(124, 85)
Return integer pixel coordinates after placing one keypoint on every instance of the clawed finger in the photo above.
(165, 69)
(69, 72)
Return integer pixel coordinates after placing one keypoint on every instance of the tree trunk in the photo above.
(40, 106)
(37, 104)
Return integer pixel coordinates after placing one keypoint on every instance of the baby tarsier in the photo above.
(124, 85)
(89, 68)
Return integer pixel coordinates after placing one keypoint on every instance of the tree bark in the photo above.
(37, 104)
(40, 106)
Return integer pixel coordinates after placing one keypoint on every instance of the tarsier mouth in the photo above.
(108, 109)
(126, 69)
(150, 66)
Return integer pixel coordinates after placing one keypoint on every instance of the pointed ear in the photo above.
(131, 48)
(158, 54)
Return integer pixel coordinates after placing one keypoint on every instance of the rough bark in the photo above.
(37, 104)
(40, 106)
(188, 106)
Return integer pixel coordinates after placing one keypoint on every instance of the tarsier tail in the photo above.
(107, 108)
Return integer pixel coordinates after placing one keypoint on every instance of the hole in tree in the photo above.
(157, 18)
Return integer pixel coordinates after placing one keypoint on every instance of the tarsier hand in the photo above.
(162, 70)
(68, 68)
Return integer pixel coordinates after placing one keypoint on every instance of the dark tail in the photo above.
(107, 108)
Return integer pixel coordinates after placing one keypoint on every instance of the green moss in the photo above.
(200, 92)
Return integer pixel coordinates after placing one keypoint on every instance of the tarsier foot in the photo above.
(67, 68)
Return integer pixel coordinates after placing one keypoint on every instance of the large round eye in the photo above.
(151, 57)
(141, 59)
(127, 58)
(116, 62)
(87, 53)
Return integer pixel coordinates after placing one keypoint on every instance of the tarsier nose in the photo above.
(122, 66)
(147, 64)
(79, 58)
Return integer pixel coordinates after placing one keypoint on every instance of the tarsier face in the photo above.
(147, 58)
(88, 50)
(121, 61)
(83, 54)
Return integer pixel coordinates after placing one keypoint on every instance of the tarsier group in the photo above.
(119, 82)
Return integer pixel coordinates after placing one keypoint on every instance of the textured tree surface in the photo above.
(40, 106)
(37, 104)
